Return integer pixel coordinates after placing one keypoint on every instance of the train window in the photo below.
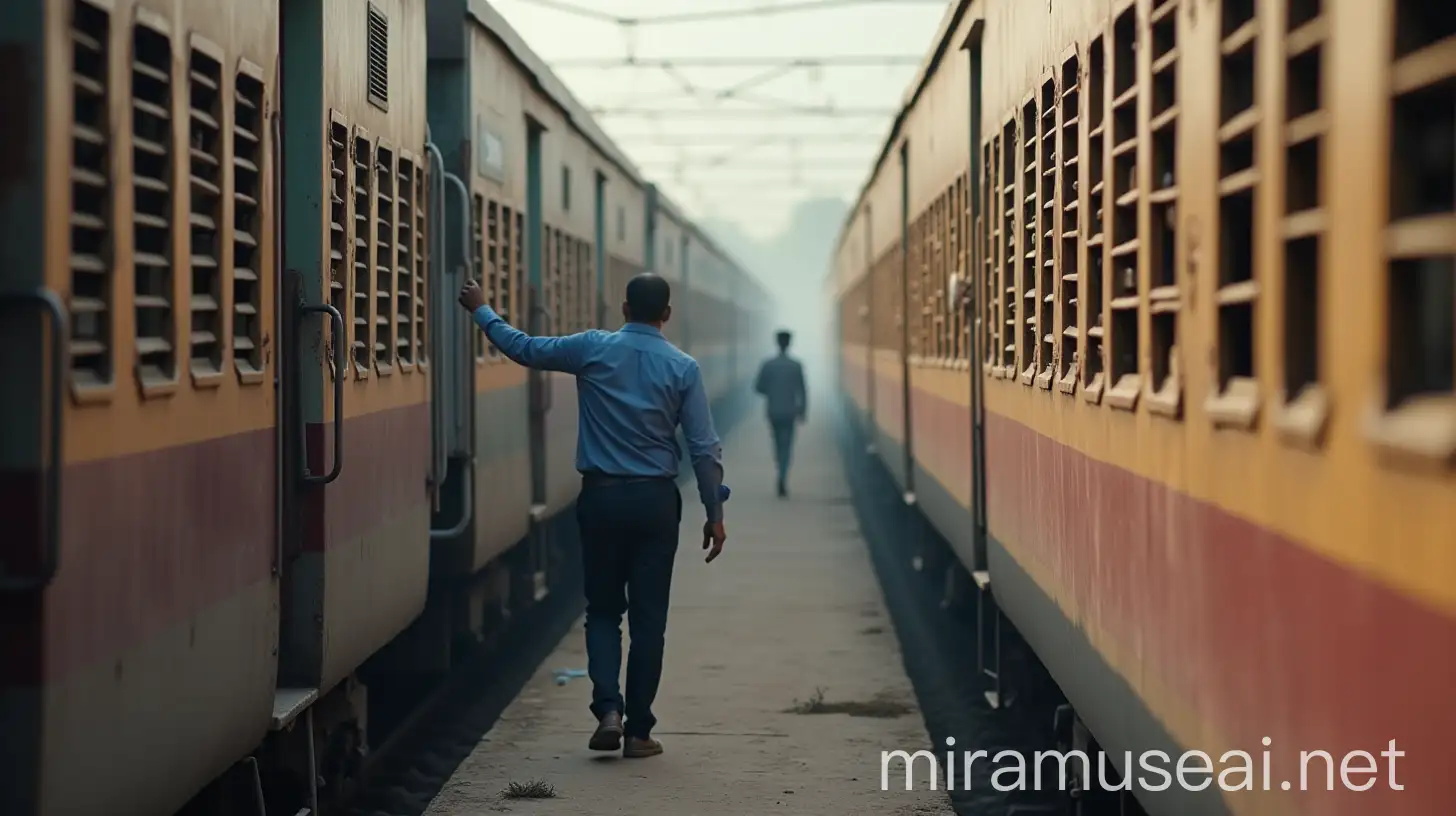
(338, 224)
(494, 262)
(478, 260)
(384, 259)
(1165, 297)
(1010, 147)
(152, 146)
(205, 162)
(555, 299)
(92, 297)
(988, 237)
(569, 295)
(1070, 223)
(1304, 405)
(421, 198)
(248, 224)
(1421, 238)
(1236, 404)
(363, 246)
(1096, 320)
(1126, 192)
(621, 223)
(519, 231)
(378, 58)
(507, 261)
(586, 272)
(1049, 160)
(404, 269)
(565, 188)
(1027, 255)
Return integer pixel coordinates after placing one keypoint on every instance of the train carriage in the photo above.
(259, 439)
(1194, 428)
(141, 608)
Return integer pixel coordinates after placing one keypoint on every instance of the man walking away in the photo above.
(633, 389)
(781, 381)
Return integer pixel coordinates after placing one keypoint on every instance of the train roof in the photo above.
(554, 89)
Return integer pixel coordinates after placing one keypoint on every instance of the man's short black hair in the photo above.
(783, 337)
(648, 296)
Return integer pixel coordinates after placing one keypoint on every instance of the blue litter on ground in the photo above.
(563, 676)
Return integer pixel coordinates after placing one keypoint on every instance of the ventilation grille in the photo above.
(247, 225)
(205, 161)
(152, 190)
(378, 58)
(91, 237)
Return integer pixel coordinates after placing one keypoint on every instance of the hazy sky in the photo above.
(736, 159)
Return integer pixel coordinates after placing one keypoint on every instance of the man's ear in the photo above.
(666, 313)
(626, 313)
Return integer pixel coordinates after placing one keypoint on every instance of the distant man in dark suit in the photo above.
(781, 382)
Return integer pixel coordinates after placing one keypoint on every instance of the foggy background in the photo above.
(760, 118)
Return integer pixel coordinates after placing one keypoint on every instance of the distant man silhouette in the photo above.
(781, 382)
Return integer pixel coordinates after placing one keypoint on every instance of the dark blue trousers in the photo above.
(629, 536)
(783, 437)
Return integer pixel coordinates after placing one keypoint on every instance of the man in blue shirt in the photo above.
(633, 389)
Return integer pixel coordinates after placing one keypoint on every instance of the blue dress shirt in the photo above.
(633, 389)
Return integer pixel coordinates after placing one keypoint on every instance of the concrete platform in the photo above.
(792, 606)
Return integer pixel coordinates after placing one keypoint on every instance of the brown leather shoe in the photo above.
(608, 736)
(637, 748)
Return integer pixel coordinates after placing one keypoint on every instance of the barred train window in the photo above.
(92, 296)
(1126, 190)
(384, 259)
(1093, 376)
(247, 258)
(1240, 170)
(1165, 297)
(1027, 257)
(507, 267)
(493, 264)
(478, 259)
(1069, 223)
(422, 198)
(338, 224)
(205, 165)
(404, 293)
(988, 237)
(1010, 147)
(152, 147)
(1048, 159)
(363, 246)
(1304, 403)
(1421, 238)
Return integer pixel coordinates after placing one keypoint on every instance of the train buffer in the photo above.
(782, 683)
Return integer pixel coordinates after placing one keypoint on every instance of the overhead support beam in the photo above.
(714, 15)
(715, 113)
(847, 61)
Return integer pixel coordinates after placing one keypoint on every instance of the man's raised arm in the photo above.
(545, 353)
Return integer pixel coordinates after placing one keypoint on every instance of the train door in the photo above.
(539, 381)
(978, 289)
(906, 424)
(599, 257)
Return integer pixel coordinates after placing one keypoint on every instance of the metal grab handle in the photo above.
(47, 301)
(435, 213)
(339, 362)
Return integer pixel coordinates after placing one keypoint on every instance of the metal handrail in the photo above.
(337, 321)
(464, 389)
(47, 301)
(439, 461)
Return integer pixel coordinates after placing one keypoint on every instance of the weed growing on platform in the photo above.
(538, 789)
(882, 706)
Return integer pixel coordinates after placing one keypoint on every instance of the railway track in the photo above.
(938, 642)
